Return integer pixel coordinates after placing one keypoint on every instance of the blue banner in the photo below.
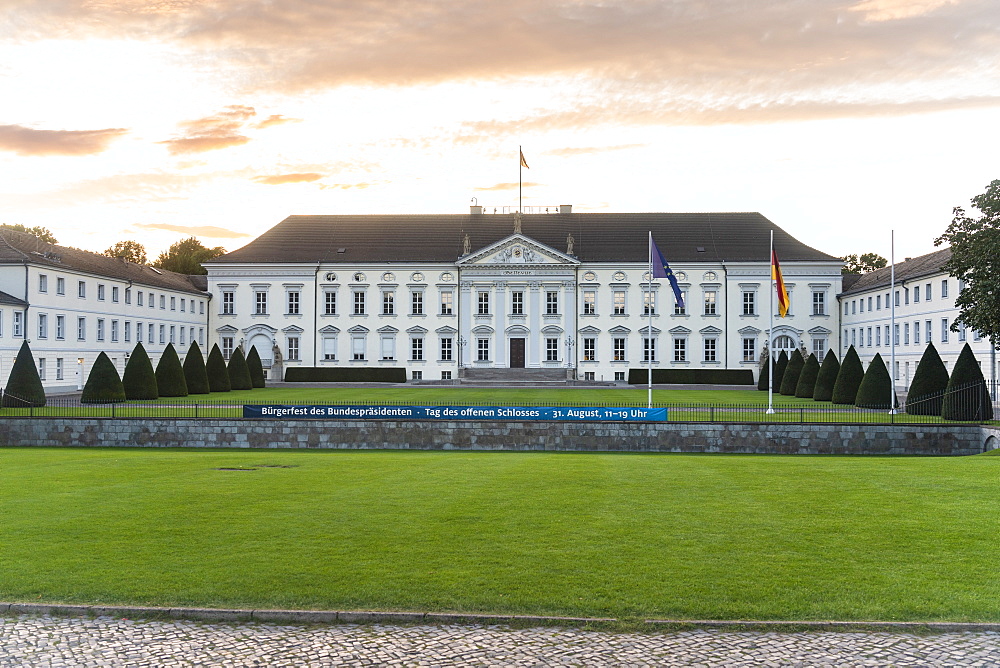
(491, 413)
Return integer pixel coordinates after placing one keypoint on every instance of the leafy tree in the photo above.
(845, 390)
(779, 371)
(930, 381)
(24, 387)
(195, 373)
(966, 397)
(807, 379)
(129, 250)
(975, 259)
(186, 256)
(792, 372)
(862, 264)
(876, 387)
(170, 375)
(218, 374)
(104, 386)
(256, 368)
(43, 233)
(139, 379)
(239, 374)
(827, 377)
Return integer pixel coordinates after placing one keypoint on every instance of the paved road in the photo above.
(52, 642)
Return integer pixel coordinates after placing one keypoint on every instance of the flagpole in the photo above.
(520, 169)
(770, 334)
(892, 318)
(649, 328)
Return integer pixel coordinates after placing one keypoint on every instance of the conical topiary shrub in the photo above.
(807, 379)
(827, 377)
(930, 380)
(218, 374)
(239, 374)
(876, 390)
(779, 371)
(764, 376)
(195, 374)
(169, 374)
(966, 397)
(139, 379)
(24, 387)
(104, 386)
(791, 378)
(845, 390)
(256, 368)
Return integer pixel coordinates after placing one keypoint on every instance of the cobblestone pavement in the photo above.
(106, 641)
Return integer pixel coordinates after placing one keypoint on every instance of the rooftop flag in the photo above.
(662, 270)
(779, 284)
(524, 163)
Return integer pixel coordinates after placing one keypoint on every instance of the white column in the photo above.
(465, 322)
(534, 342)
(500, 324)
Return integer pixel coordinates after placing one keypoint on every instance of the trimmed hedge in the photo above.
(256, 368)
(779, 371)
(930, 380)
(807, 379)
(139, 379)
(312, 374)
(790, 380)
(24, 387)
(845, 390)
(170, 375)
(195, 374)
(967, 397)
(827, 377)
(765, 375)
(103, 384)
(218, 374)
(691, 376)
(876, 387)
(239, 374)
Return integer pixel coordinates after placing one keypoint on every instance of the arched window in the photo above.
(784, 342)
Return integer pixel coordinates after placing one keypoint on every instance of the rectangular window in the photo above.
(138, 332)
(43, 283)
(590, 302)
(447, 302)
(869, 337)
(293, 349)
(163, 302)
(648, 350)
(944, 288)
(330, 302)
(41, 368)
(869, 303)
(906, 333)
(678, 309)
(152, 300)
(819, 303)
(446, 375)
(749, 349)
(138, 298)
(114, 331)
(710, 302)
(446, 349)
(227, 347)
(854, 307)
(648, 303)
(128, 331)
(861, 337)
(896, 298)
(173, 334)
(114, 293)
(916, 333)
(228, 302)
(359, 303)
(878, 336)
(819, 348)
(100, 329)
(60, 327)
(183, 302)
(417, 302)
(294, 298)
(483, 350)
(551, 303)
(710, 346)
(927, 292)
(619, 376)
(517, 303)
(749, 303)
(944, 330)
(100, 292)
(60, 286)
(330, 348)
(81, 329)
(854, 337)
(589, 349)
(847, 308)
(417, 348)
(887, 335)
(43, 326)
(878, 302)
(416, 375)
(619, 302)
(928, 330)
(861, 305)
(961, 332)
(551, 350)
(916, 294)
(680, 350)
(81, 289)
(906, 296)
(183, 333)
(388, 302)
(358, 347)
(260, 302)
(618, 349)
(388, 347)
(151, 334)
(59, 368)
(484, 303)
(128, 295)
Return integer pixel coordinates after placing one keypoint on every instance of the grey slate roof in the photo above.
(19, 247)
(599, 237)
(11, 299)
(917, 267)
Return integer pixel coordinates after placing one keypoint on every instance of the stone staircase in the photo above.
(520, 377)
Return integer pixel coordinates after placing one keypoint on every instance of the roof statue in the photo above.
(569, 243)
(517, 222)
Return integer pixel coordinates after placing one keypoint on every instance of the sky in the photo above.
(839, 120)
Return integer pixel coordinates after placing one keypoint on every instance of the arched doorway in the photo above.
(784, 342)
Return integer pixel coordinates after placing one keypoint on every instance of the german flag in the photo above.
(779, 284)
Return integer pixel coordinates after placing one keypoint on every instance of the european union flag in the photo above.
(662, 270)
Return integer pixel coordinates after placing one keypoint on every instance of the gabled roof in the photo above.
(917, 267)
(11, 300)
(598, 237)
(20, 247)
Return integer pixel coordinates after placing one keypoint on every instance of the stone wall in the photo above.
(516, 436)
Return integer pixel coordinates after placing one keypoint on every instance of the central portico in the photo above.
(517, 305)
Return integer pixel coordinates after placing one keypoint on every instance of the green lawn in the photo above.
(628, 536)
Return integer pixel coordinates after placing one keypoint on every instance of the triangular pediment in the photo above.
(517, 250)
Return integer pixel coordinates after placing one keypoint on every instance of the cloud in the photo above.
(590, 150)
(195, 230)
(275, 119)
(346, 186)
(507, 186)
(29, 141)
(893, 10)
(220, 130)
(280, 179)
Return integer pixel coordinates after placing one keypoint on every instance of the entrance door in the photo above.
(517, 353)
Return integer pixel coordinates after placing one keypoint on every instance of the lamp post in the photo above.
(461, 348)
